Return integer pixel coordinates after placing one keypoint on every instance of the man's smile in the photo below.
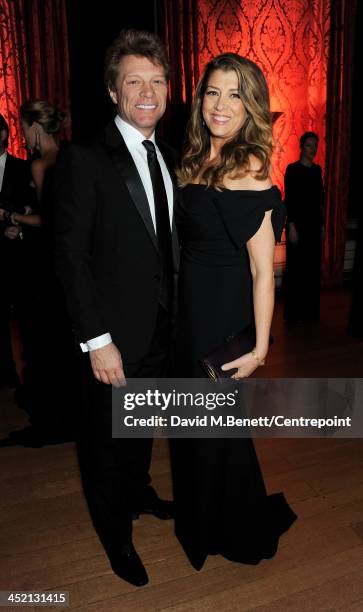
(146, 106)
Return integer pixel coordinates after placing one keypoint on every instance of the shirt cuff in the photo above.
(96, 343)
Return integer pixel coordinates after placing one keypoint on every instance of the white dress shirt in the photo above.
(2, 168)
(134, 139)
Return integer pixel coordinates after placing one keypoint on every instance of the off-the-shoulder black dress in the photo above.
(221, 502)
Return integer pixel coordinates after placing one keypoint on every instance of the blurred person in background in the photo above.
(49, 391)
(16, 196)
(304, 194)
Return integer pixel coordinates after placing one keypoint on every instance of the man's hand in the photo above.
(12, 231)
(2, 214)
(107, 365)
(293, 235)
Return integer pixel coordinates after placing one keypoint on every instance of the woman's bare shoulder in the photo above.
(40, 165)
(249, 183)
(38, 168)
(248, 180)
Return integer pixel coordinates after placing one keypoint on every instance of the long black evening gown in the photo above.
(303, 199)
(221, 502)
(50, 393)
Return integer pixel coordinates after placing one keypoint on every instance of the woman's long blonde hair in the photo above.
(255, 136)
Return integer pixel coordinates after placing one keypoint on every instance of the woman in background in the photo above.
(48, 392)
(304, 202)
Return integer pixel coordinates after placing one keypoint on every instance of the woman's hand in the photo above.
(246, 365)
(13, 218)
(12, 231)
(2, 214)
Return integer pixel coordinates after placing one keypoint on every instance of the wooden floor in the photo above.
(47, 541)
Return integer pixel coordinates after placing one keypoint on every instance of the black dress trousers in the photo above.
(115, 472)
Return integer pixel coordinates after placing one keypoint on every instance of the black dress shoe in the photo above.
(161, 508)
(129, 567)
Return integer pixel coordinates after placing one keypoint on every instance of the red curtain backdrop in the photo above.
(286, 38)
(291, 41)
(33, 59)
(338, 137)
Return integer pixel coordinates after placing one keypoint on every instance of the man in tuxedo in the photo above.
(116, 255)
(15, 196)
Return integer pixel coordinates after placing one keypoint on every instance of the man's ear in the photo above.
(3, 135)
(112, 95)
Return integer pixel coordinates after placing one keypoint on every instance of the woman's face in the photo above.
(29, 134)
(309, 148)
(222, 109)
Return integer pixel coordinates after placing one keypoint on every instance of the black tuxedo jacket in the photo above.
(16, 192)
(106, 251)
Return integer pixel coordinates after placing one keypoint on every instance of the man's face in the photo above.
(140, 93)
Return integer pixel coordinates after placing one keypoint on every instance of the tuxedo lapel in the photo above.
(8, 175)
(122, 159)
(170, 164)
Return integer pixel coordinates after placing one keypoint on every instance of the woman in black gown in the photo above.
(229, 218)
(304, 200)
(50, 392)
